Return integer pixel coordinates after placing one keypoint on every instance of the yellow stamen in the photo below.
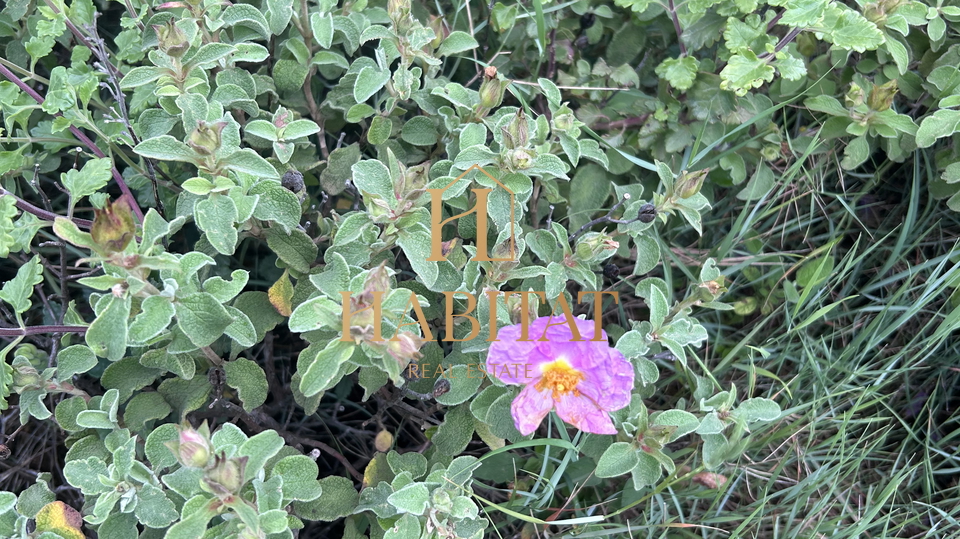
(560, 378)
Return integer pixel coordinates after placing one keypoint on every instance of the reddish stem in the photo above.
(84, 139)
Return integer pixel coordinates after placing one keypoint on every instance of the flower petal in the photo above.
(581, 412)
(608, 376)
(529, 409)
(512, 361)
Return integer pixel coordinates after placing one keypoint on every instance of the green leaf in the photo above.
(419, 131)
(259, 449)
(456, 42)
(127, 376)
(338, 499)
(17, 291)
(249, 161)
(76, 359)
(453, 436)
(155, 315)
(369, 81)
(416, 244)
(464, 382)
(373, 177)
(299, 475)
(299, 129)
(618, 459)
(215, 215)
(412, 498)
(334, 178)
(246, 15)
(322, 26)
(224, 290)
(277, 204)
(201, 318)
(317, 313)
(321, 367)
(942, 123)
(93, 177)
(758, 409)
(683, 420)
(145, 407)
(261, 128)
(165, 148)
(296, 249)
(647, 471)
(107, 335)
(380, 130)
(249, 380)
(208, 55)
(84, 474)
(408, 527)
(745, 71)
(154, 509)
(850, 30)
(679, 72)
(856, 152)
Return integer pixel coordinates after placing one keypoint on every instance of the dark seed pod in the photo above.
(441, 387)
(4, 452)
(587, 20)
(581, 42)
(611, 271)
(648, 212)
(292, 180)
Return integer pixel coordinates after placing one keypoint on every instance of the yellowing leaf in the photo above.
(281, 295)
(60, 518)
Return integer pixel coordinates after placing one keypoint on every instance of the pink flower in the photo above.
(583, 379)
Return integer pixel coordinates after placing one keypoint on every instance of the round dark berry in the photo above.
(587, 20)
(611, 271)
(292, 180)
(648, 212)
(441, 387)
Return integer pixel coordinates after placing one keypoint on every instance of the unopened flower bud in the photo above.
(854, 95)
(173, 41)
(439, 30)
(227, 475)
(563, 119)
(25, 375)
(192, 448)
(596, 246)
(405, 347)
(113, 226)
(874, 13)
(881, 97)
(492, 88)
(205, 139)
(647, 213)
(690, 183)
(517, 132)
(519, 159)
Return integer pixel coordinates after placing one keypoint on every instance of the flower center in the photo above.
(560, 378)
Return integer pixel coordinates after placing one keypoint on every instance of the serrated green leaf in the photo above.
(17, 291)
(679, 72)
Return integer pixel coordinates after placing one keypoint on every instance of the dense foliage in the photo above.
(216, 215)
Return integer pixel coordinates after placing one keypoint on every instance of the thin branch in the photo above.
(676, 26)
(606, 218)
(41, 213)
(40, 330)
(81, 136)
(787, 39)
